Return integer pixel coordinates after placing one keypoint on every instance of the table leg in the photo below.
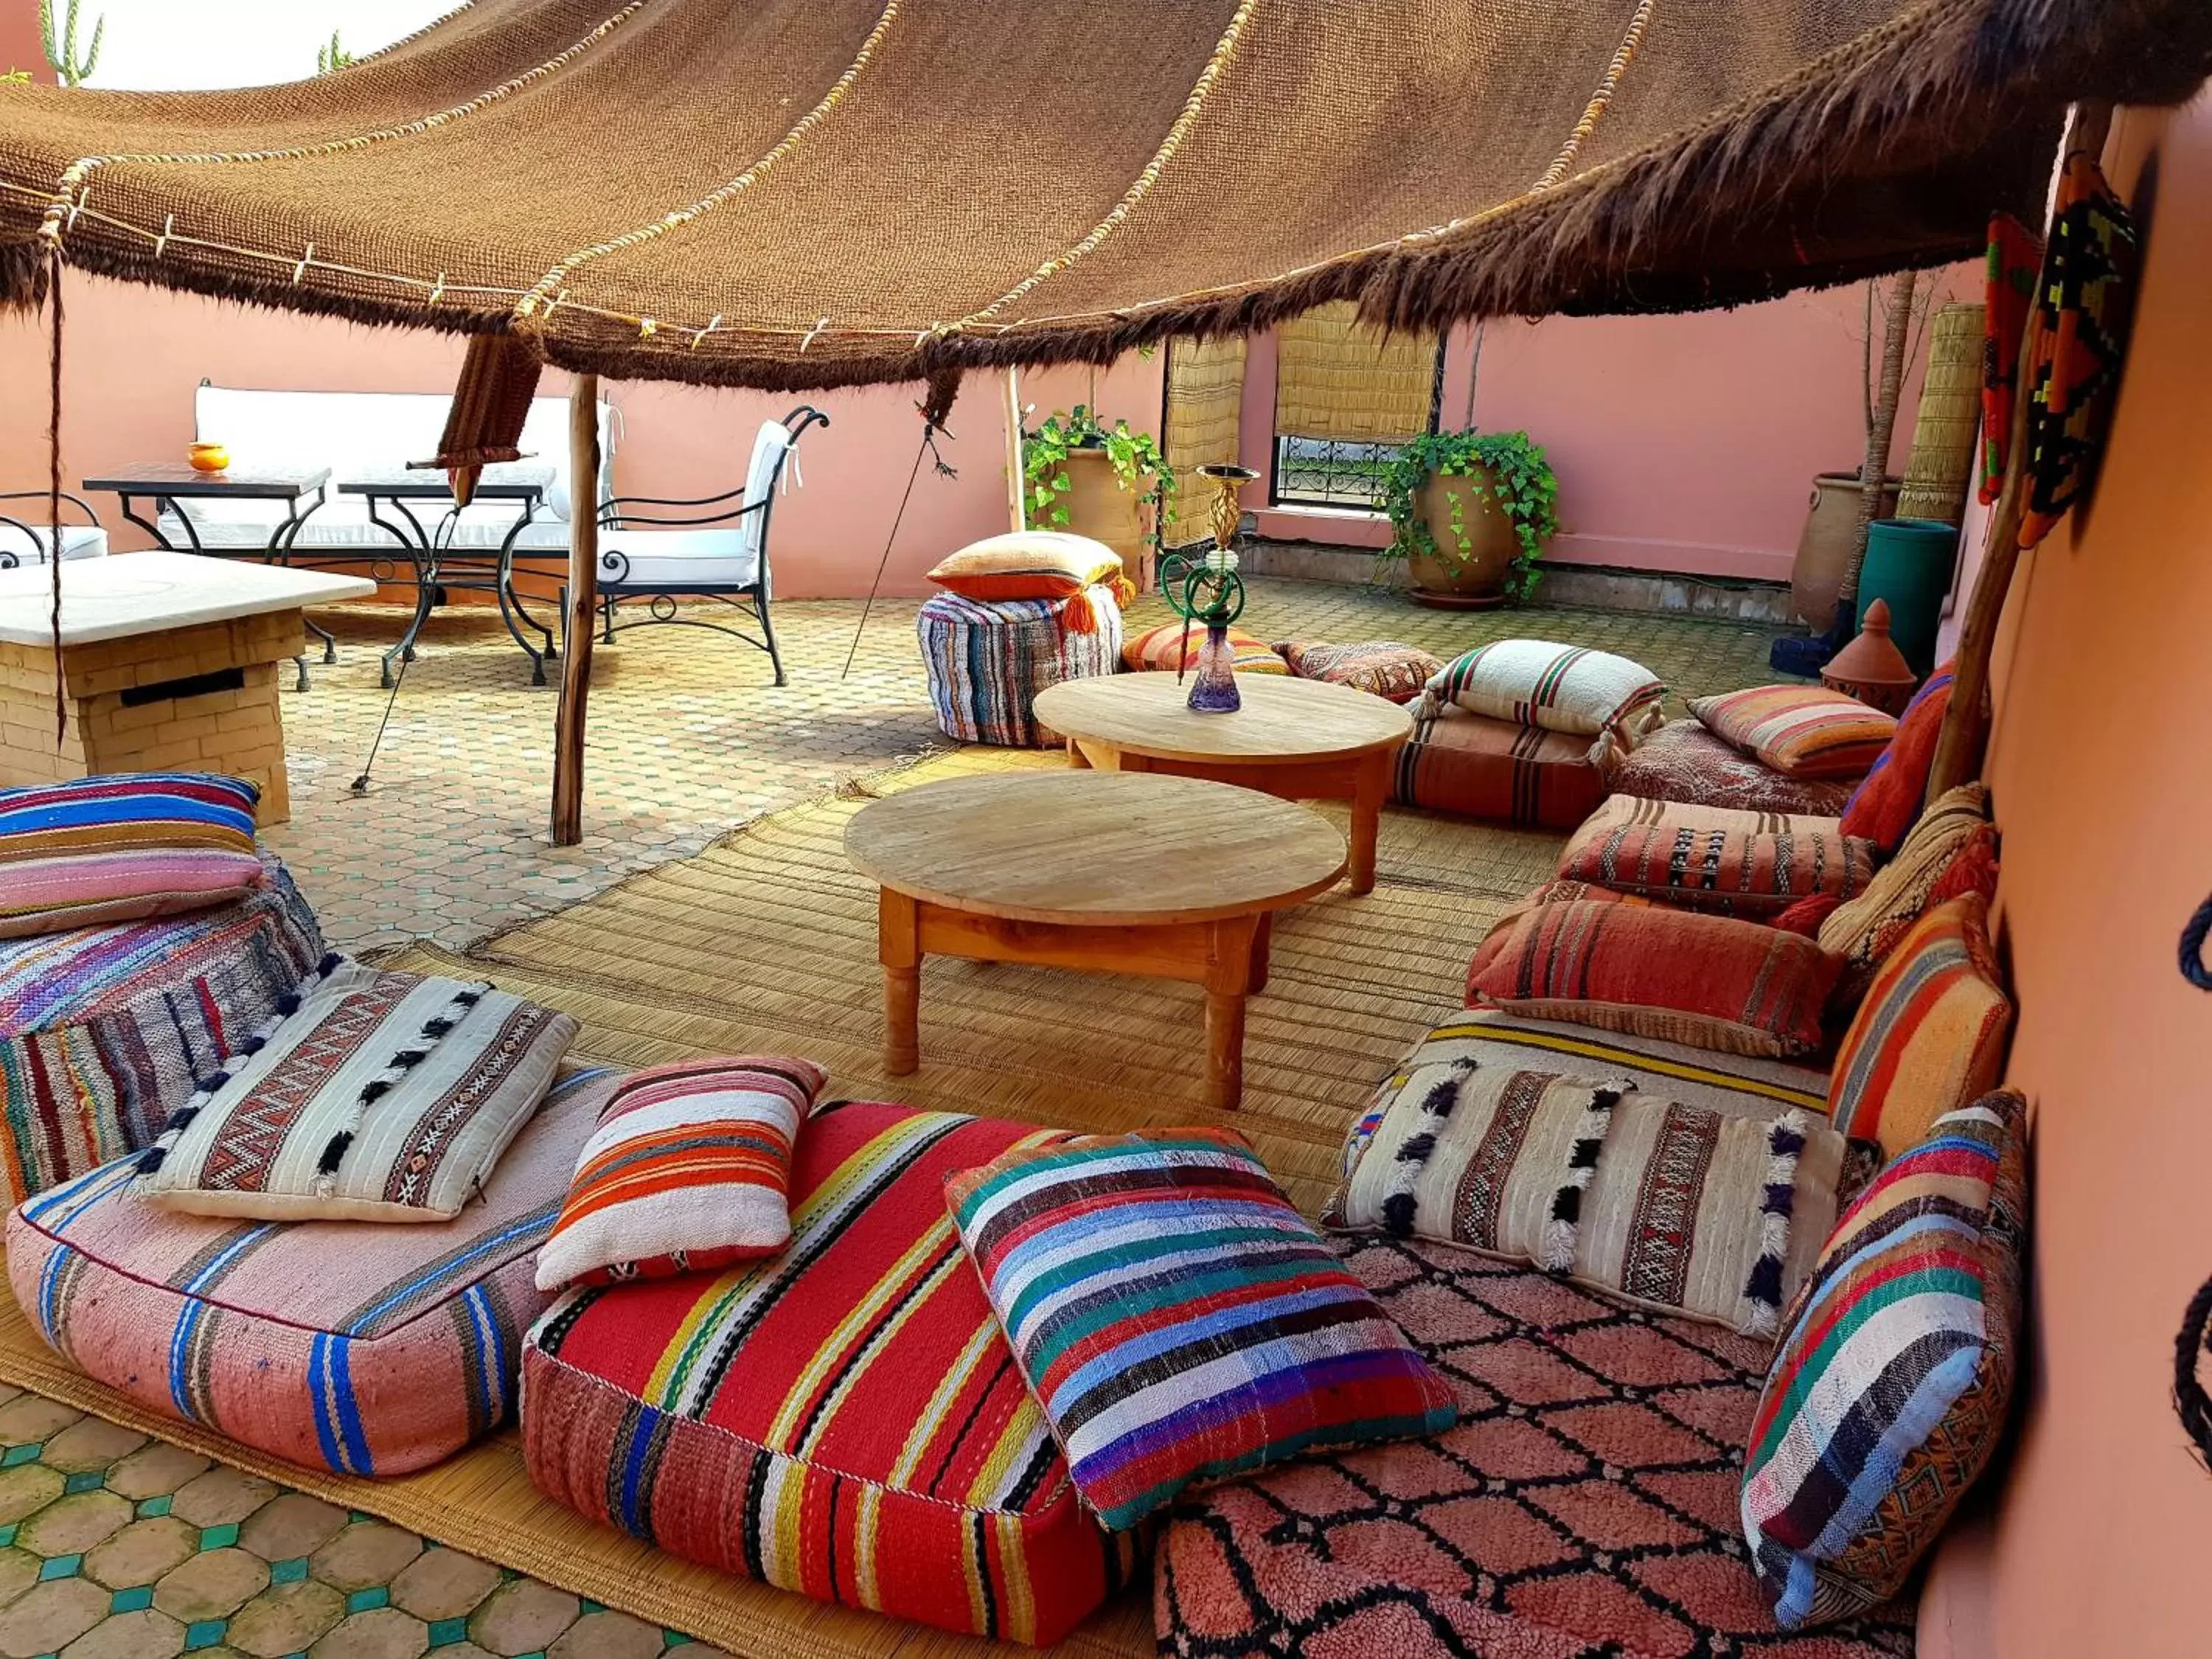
(1075, 757)
(1371, 787)
(898, 926)
(1228, 982)
(1263, 938)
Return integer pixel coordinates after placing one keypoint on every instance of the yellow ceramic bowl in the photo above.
(210, 458)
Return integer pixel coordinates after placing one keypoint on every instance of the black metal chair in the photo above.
(715, 547)
(24, 543)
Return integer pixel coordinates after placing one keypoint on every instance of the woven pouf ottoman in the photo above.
(367, 1348)
(987, 659)
(103, 1030)
(1470, 766)
(844, 1419)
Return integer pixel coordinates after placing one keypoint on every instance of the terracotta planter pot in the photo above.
(1823, 546)
(1476, 579)
(1097, 507)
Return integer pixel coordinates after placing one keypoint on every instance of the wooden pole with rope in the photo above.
(1017, 488)
(580, 617)
(1963, 743)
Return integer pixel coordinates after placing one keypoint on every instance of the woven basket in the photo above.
(1943, 463)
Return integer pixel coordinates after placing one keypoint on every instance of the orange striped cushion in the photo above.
(1162, 648)
(1931, 1036)
(1029, 564)
(688, 1170)
(1805, 730)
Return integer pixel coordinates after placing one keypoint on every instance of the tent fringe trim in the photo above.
(1916, 81)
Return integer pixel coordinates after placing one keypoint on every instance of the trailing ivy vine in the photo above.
(1507, 466)
(1138, 465)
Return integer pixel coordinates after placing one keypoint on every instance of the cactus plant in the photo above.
(61, 52)
(333, 56)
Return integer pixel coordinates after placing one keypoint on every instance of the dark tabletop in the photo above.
(507, 481)
(175, 478)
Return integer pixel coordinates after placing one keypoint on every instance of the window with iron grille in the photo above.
(1347, 396)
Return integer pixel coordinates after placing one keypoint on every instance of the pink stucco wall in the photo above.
(1683, 443)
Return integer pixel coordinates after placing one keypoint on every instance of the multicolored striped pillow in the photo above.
(1384, 668)
(1929, 1036)
(1888, 799)
(1709, 982)
(1177, 1319)
(1561, 688)
(1864, 929)
(1802, 731)
(688, 1170)
(1887, 1397)
(123, 846)
(1716, 858)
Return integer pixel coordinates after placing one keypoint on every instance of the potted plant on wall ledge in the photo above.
(1472, 512)
(1080, 475)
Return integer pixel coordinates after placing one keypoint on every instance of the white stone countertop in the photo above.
(132, 593)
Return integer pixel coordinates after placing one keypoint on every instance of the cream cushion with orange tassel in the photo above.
(1038, 564)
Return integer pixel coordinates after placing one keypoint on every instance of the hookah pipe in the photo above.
(1208, 589)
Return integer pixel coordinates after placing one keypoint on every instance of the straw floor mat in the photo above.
(767, 942)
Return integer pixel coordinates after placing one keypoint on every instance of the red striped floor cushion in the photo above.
(1473, 767)
(844, 1419)
(367, 1349)
(1713, 858)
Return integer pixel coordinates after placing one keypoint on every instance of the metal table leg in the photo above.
(424, 557)
(279, 551)
(510, 603)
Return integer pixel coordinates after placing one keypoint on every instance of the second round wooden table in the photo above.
(1173, 878)
(1299, 739)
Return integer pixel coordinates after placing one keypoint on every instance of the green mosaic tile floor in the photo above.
(116, 1546)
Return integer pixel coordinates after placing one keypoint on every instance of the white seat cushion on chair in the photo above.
(78, 541)
(719, 556)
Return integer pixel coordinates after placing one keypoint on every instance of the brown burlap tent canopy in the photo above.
(800, 193)
(806, 193)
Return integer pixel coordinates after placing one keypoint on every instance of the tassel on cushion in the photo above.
(1557, 1254)
(1413, 1154)
(1785, 1141)
(402, 1062)
(203, 1089)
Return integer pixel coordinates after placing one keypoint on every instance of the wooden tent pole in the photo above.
(1017, 489)
(582, 621)
(1963, 743)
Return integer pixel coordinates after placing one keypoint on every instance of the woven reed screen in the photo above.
(1202, 425)
(1338, 378)
(1942, 461)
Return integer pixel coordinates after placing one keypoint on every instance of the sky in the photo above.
(173, 44)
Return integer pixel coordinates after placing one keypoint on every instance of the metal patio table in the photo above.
(439, 567)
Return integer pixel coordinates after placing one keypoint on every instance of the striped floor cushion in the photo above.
(987, 659)
(1585, 1505)
(1754, 865)
(1473, 767)
(103, 1030)
(843, 1419)
(371, 1349)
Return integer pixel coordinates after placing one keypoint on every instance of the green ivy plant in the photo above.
(1138, 465)
(1511, 469)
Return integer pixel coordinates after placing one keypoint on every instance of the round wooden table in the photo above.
(1300, 739)
(1174, 877)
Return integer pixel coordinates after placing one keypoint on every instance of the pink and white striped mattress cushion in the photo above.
(371, 1349)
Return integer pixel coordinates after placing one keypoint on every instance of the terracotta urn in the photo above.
(209, 458)
(1448, 580)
